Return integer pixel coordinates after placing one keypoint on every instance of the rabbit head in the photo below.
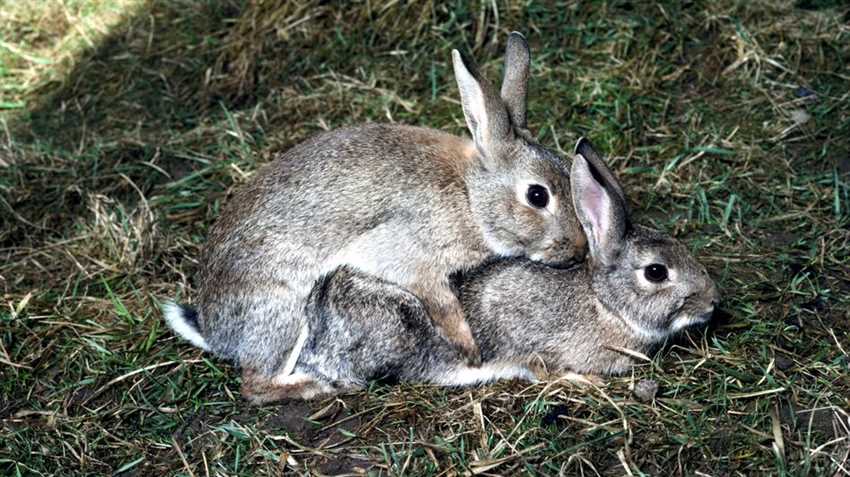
(642, 276)
(519, 191)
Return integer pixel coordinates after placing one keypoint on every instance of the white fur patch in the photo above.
(296, 351)
(468, 376)
(500, 248)
(683, 322)
(175, 319)
(636, 328)
(379, 253)
(291, 379)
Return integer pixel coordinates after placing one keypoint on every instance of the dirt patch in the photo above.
(321, 423)
(344, 465)
(194, 425)
(721, 442)
(327, 425)
(828, 422)
(292, 418)
(346, 425)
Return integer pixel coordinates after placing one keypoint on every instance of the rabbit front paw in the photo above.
(454, 328)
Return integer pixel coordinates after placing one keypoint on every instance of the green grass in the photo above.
(125, 125)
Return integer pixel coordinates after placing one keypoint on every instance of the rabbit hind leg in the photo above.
(261, 389)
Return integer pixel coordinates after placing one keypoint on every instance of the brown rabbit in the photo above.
(405, 205)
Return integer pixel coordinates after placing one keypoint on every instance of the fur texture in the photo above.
(404, 205)
(531, 321)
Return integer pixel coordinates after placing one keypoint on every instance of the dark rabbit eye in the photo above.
(656, 273)
(537, 196)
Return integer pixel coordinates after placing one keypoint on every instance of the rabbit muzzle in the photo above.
(698, 308)
(563, 253)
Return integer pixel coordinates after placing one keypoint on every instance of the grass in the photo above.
(127, 123)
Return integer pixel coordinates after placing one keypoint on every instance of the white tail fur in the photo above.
(466, 376)
(175, 318)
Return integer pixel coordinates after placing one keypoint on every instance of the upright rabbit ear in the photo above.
(485, 113)
(515, 79)
(600, 209)
(585, 148)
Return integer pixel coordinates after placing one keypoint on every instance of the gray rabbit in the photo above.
(402, 205)
(638, 287)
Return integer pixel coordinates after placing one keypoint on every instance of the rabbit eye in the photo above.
(656, 273)
(537, 196)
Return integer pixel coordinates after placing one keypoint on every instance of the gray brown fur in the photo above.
(405, 205)
(526, 317)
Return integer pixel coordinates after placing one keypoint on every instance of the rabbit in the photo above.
(637, 288)
(404, 205)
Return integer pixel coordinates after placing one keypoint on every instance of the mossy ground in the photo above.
(126, 124)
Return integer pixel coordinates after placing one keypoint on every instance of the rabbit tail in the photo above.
(183, 320)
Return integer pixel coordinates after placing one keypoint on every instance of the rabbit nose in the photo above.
(714, 294)
(711, 292)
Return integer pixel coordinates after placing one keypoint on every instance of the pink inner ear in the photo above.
(597, 205)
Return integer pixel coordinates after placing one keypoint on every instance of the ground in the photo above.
(126, 124)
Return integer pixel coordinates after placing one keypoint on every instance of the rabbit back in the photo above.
(388, 200)
(327, 192)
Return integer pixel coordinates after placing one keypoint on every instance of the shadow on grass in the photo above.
(182, 88)
(149, 76)
(171, 65)
(105, 128)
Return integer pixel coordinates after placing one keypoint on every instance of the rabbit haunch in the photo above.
(530, 321)
(405, 205)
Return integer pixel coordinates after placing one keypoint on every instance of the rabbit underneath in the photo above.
(406, 206)
(637, 288)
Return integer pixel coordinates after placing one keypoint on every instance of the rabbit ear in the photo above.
(585, 148)
(485, 113)
(515, 79)
(600, 210)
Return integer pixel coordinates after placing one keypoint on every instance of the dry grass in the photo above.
(126, 124)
